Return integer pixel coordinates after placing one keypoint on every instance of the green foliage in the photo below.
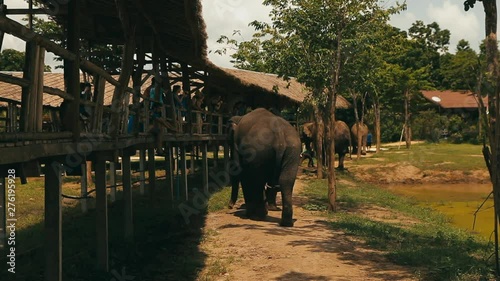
(106, 56)
(11, 60)
(460, 71)
(429, 125)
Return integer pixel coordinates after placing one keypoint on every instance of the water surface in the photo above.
(458, 201)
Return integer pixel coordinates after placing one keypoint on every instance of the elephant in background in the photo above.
(342, 138)
(265, 150)
(363, 131)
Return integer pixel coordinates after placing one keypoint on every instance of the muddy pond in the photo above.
(458, 201)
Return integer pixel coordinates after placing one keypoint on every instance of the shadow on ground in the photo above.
(165, 247)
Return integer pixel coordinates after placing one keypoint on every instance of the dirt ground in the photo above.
(261, 250)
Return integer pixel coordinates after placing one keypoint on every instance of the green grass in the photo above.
(430, 245)
(443, 156)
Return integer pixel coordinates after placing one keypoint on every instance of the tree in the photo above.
(108, 57)
(313, 41)
(491, 89)
(460, 71)
(13, 60)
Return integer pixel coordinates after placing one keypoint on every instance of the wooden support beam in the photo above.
(226, 155)
(71, 67)
(3, 214)
(18, 30)
(127, 198)
(142, 170)
(184, 181)
(216, 155)
(28, 92)
(101, 215)
(3, 9)
(191, 159)
(112, 181)
(26, 12)
(84, 188)
(39, 72)
(204, 161)
(53, 222)
(169, 161)
(99, 90)
(151, 172)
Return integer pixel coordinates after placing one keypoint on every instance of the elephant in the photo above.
(363, 129)
(342, 138)
(265, 151)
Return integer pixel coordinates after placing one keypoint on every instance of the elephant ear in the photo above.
(231, 127)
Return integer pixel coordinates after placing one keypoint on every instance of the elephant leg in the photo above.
(287, 180)
(234, 171)
(341, 161)
(271, 193)
(253, 191)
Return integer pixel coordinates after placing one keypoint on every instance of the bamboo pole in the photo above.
(127, 198)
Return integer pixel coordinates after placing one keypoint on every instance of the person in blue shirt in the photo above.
(369, 141)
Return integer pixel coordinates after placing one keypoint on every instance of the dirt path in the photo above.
(242, 249)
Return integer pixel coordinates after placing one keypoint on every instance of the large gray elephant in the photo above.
(342, 138)
(265, 150)
(363, 130)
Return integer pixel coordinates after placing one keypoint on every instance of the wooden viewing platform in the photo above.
(161, 39)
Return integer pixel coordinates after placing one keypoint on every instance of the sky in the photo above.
(223, 17)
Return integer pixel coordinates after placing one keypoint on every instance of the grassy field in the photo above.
(410, 234)
(442, 156)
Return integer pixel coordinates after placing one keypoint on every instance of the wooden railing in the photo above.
(30, 109)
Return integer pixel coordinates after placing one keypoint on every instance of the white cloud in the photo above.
(462, 25)
(222, 17)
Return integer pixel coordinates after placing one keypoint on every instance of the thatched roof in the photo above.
(240, 79)
(53, 80)
(176, 25)
(248, 82)
(453, 99)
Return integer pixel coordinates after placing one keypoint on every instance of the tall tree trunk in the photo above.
(490, 9)
(407, 126)
(332, 98)
(357, 124)
(376, 108)
(318, 139)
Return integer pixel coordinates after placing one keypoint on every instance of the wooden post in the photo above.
(99, 89)
(2, 13)
(84, 188)
(216, 155)
(191, 160)
(112, 181)
(219, 125)
(184, 172)
(53, 222)
(142, 168)
(204, 160)
(29, 96)
(152, 172)
(170, 170)
(40, 65)
(186, 86)
(226, 154)
(127, 198)
(72, 67)
(101, 215)
(3, 213)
